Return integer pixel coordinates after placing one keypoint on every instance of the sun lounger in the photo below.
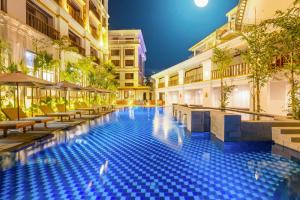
(84, 107)
(62, 108)
(48, 111)
(12, 114)
(8, 125)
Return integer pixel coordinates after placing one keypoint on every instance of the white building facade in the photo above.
(196, 80)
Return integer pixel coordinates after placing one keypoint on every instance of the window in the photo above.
(115, 52)
(129, 76)
(129, 63)
(117, 76)
(126, 94)
(74, 38)
(116, 63)
(3, 5)
(93, 52)
(128, 84)
(129, 52)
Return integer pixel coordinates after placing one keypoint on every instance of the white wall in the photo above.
(239, 98)
(193, 97)
(264, 9)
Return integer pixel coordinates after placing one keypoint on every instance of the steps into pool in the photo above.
(287, 136)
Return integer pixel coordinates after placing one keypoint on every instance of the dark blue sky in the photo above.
(170, 27)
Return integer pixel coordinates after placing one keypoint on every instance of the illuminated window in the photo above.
(126, 94)
(115, 52)
(128, 84)
(129, 76)
(29, 59)
(116, 63)
(129, 63)
(129, 52)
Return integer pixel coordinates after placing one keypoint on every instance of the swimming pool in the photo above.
(141, 153)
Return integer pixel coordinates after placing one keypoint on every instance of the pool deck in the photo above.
(16, 140)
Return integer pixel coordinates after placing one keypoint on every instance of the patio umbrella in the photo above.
(65, 85)
(21, 79)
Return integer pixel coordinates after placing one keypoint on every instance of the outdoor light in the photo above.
(201, 3)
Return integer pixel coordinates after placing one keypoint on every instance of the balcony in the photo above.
(173, 83)
(193, 78)
(94, 32)
(75, 14)
(161, 85)
(41, 26)
(232, 71)
(81, 50)
(124, 41)
(95, 11)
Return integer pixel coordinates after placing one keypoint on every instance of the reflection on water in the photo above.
(142, 150)
(164, 129)
(69, 138)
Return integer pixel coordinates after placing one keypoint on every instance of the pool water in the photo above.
(142, 153)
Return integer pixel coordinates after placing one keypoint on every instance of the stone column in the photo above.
(166, 81)
(181, 76)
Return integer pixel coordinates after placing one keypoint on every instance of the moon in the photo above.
(201, 3)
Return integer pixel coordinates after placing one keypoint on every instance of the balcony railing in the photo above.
(94, 33)
(124, 41)
(161, 85)
(173, 83)
(193, 78)
(94, 10)
(41, 26)
(232, 71)
(81, 50)
(75, 14)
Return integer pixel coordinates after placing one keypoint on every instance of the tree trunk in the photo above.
(293, 93)
(258, 109)
(222, 93)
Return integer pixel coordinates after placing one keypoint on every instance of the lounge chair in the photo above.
(48, 111)
(62, 108)
(12, 114)
(84, 107)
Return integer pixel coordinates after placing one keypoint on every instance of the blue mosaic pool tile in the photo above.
(144, 154)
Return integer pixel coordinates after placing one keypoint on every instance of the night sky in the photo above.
(170, 27)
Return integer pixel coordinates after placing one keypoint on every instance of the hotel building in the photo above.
(196, 80)
(128, 53)
(27, 25)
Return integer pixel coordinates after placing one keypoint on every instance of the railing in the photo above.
(94, 33)
(124, 41)
(81, 50)
(94, 10)
(41, 26)
(232, 71)
(173, 83)
(161, 85)
(75, 14)
(193, 78)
